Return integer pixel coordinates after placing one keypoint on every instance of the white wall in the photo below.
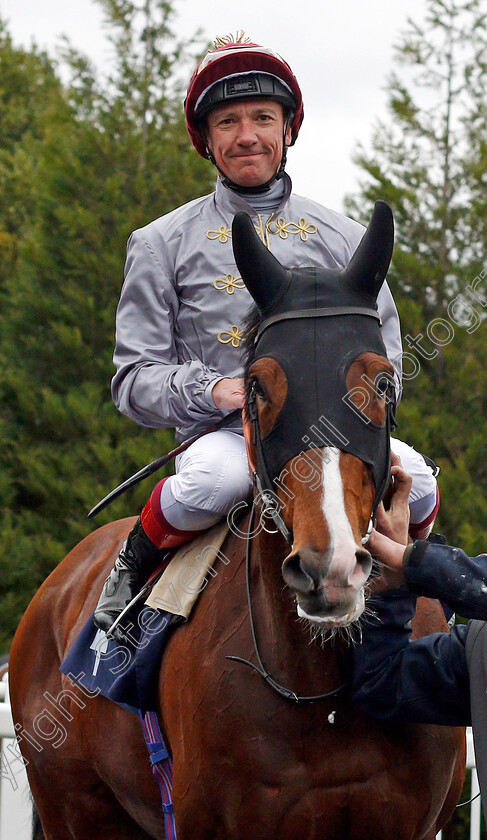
(15, 801)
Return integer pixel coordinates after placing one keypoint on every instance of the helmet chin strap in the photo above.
(257, 190)
(260, 188)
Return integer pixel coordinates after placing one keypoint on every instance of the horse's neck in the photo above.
(285, 640)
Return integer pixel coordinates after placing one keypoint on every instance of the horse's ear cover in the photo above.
(274, 288)
(368, 267)
(262, 273)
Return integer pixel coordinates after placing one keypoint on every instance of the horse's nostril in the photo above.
(296, 574)
(364, 560)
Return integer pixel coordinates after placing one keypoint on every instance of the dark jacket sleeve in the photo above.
(425, 681)
(447, 573)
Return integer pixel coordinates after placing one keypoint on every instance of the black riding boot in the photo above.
(138, 558)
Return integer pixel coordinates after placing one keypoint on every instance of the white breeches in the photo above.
(213, 475)
(422, 498)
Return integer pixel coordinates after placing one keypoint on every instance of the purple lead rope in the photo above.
(161, 767)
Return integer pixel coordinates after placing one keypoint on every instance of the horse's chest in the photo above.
(290, 772)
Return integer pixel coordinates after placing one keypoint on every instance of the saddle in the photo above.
(128, 674)
(176, 590)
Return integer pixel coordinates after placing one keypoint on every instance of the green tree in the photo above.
(28, 92)
(112, 156)
(429, 161)
(421, 159)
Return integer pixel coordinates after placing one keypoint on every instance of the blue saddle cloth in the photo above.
(128, 673)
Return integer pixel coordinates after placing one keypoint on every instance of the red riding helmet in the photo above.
(236, 70)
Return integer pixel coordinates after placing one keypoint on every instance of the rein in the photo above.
(260, 475)
(260, 668)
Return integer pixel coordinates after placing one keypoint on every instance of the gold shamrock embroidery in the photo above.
(229, 284)
(233, 337)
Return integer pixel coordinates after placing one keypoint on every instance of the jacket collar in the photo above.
(230, 201)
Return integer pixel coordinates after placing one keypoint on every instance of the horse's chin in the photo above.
(334, 622)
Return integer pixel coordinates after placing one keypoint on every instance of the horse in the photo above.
(254, 690)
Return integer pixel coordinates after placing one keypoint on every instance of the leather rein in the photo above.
(260, 668)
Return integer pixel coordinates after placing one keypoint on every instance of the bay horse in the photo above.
(255, 753)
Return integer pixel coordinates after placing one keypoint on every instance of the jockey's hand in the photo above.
(389, 539)
(229, 394)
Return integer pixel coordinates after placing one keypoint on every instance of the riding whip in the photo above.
(151, 468)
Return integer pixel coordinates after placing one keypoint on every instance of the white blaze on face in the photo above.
(344, 568)
(345, 578)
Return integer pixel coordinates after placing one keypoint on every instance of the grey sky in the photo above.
(341, 54)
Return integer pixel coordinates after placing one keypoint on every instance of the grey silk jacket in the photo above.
(180, 315)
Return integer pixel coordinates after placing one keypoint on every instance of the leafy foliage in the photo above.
(430, 163)
(81, 165)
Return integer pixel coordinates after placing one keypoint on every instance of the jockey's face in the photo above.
(246, 140)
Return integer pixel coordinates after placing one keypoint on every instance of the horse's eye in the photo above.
(259, 390)
(382, 386)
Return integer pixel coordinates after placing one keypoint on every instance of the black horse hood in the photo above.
(316, 321)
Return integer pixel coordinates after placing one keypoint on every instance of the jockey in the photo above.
(179, 320)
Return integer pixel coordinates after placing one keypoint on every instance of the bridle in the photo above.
(260, 474)
(271, 506)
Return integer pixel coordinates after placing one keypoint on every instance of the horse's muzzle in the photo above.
(340, 619)
(323, 592)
